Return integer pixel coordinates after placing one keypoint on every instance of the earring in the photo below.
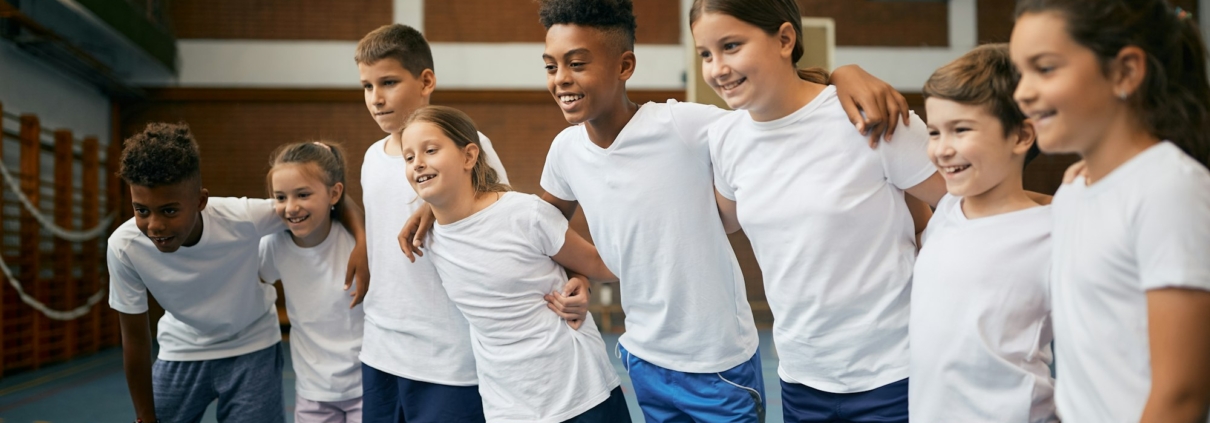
(1122, 95)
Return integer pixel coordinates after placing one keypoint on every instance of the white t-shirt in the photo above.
(653, 217)
(1144, 226)
(833, 236)
(412, 329)
(496, 266)
(980, 326)
(325, 335)
(215, 305)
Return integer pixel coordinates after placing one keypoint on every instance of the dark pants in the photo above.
(804, 404)
(613, 410)
(387, 398)
(248, 388)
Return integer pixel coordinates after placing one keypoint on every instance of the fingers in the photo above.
(1074, 171)
(405, 244)
(422, 232)
(897, 109)
(854, 112)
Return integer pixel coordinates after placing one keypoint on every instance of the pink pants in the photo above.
(307, 411)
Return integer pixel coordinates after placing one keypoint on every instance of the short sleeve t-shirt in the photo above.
(496, 266)
(215, 305)
(832, 234)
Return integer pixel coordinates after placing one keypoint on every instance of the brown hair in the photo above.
(983, 77)
(327, 157)
(396, 41)
(768, 15)
(163, 154)
(1173, 101)
(461, 129)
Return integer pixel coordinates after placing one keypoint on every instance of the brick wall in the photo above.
(880, 23)
(996, 18)
(659, 21)
(279, 19)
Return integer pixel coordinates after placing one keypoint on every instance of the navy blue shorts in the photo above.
(247, 387)
(804, 404)
(613, 410)
(387, 398)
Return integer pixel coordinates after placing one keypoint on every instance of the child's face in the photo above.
(169, 214)
(1063, 89)
(436, 167)
(736, 58)
(303, 202)
(584, 72)
(969, 148)
(392, 92)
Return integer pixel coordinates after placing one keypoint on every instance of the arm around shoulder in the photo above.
(582, 257)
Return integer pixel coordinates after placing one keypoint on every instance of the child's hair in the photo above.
(768, 15)
(396, 41)
(461, 129)
(1174, 98)
(163, 154)
(328, 157)
(615, 17)
(984, 76)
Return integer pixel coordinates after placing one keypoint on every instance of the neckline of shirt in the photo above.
(476, 216)
(806, 110)
(1128, 168)
(323, 245)
(593, 147)
(959, 216)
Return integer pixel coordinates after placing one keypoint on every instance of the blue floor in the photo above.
(93, 390)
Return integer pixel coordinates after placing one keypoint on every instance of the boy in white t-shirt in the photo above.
(980, 324)
(219, 337)
(417, 362)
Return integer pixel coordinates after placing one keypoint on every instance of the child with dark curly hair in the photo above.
(219, 337)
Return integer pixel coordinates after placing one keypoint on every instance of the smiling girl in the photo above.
(498, 253)
(1124, 85)
(306, 180)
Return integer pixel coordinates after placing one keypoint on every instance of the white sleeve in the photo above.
(553, 180)
(692, 120)
(719, 163)
(548, 227)
(268, 262)
(905, 159)
(127, 293)
(263, 216)
(1172, 230)
(493, 159)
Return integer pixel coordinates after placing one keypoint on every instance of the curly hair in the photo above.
(615, 17)
(163, 154)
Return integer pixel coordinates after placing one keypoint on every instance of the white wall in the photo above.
(27, 85)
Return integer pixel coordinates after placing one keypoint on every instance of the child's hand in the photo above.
(1074, 171)
(572, 303)
(359, 271)
(882, 105)
(414, 231)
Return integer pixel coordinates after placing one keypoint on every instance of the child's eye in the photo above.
(730, 46)
(169, 212)
(961, 129)
(407, 159)
(933, 133)
(141, 212)
(550, 67)
(431, 150)
(279, 198)
(576, 65)
(704, 54)
(367, 87)
(304, 195)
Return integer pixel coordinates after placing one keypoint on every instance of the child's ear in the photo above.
(629, 62)
(203, 198)
(787, 37)
(1026, 138)
(428, 82)
(1128, 71)
(471, 152)
(335, 192)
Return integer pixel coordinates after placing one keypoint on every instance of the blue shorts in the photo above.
(248, 388)
(804, 404)
(734, 395)
(613, 410)
(387, 398)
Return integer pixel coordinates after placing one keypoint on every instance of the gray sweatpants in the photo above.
(248, 388)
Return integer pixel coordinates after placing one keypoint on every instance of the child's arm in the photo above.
(726, 211)
(572, 303)
(921, 214)
(359, 261)
(581, 257)
(568, 208)
(1180, 355)
(882, 105)
(930, 191)
(415, 230)
(136, 361)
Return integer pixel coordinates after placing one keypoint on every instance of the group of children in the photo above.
(483, 317)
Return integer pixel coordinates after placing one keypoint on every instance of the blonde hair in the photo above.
(328, 158)
(461, 129)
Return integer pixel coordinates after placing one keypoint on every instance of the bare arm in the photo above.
(1180, 356)
(354, 220)
(568, 208)
(415, 230)
(726, 211)
(581, 257)
(136, 361)
(921, 214)
(859, 92)
(930, 191)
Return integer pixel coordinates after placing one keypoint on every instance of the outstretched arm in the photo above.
(136, 361)
(862, 94)
(581, 257)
